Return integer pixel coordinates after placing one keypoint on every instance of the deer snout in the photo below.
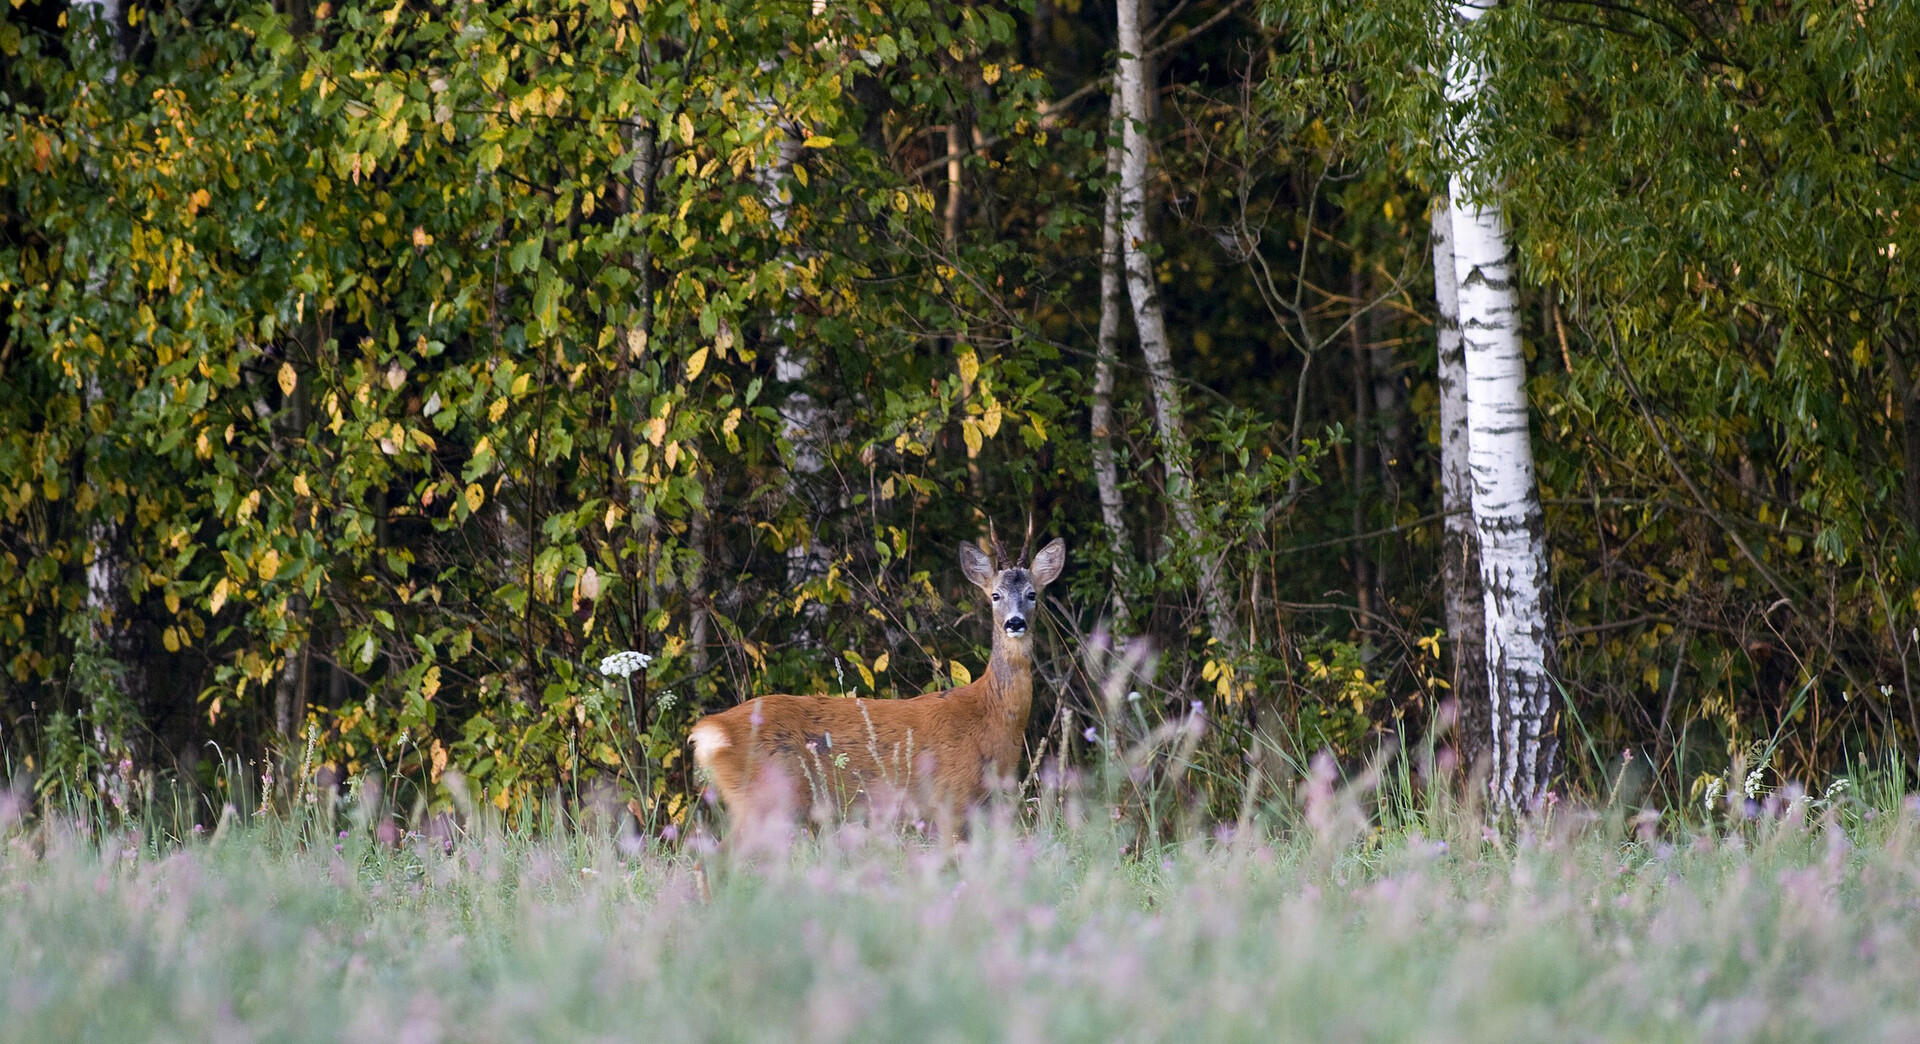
(1016, 626)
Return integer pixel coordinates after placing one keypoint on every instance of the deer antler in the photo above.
(1026, 546)
(999, 553)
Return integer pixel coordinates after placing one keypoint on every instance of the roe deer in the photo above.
(773, 756)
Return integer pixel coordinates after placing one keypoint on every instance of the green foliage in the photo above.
(392, 365)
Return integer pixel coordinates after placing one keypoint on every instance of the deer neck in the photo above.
(1010, 675)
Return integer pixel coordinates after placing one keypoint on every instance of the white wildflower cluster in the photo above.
(622, 664)
(666, 700)
(1752, 785)
(1713, 792)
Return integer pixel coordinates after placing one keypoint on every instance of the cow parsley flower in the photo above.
(1713, 793)
(623, 664)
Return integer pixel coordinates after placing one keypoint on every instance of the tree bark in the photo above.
(1908, 397)
(956, 210)
(1362, 470)
(105, 578)
(1150, 323)
(1460, 543)
(699, 599)
(1106, 474)
(801, 417)
(1506, 497)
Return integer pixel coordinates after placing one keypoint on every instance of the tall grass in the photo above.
(1801, 923)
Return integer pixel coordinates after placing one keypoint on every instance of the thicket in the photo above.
(370, 371)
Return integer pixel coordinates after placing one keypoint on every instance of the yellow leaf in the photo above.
(695, 363)
(521, 383)
(288, 378)
(300, 486)
(219, 596)
(430, 682)
(819, 141)
(270, 564)
(880, 665)
(636, 342)
(1210, 670)
(961, 676)
(475, 497)
(439, 760)
(686, 129)
(990, 420)
(171, 640)
(657, 430)
(969, 366)
(865, 675)
(173, 602)
(970, 434)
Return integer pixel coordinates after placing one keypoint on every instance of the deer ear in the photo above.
(1048, 563)
(978, 567)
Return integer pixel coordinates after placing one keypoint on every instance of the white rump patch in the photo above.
(708, 739)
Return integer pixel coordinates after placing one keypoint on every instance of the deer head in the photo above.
(1014, 590)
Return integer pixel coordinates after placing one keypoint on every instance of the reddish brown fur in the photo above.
(941, 751)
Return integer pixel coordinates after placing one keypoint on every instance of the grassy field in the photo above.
(1787, 927)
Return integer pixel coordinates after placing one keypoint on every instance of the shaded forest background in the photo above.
(372, 370)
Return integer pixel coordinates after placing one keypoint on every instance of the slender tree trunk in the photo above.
(1460, 542)
(956, 211)
(1390, 452)
(105, 580)
(699, 600)
(1506, 497)
(1908, 397)
(1362, 470)
(289, 424)
(1106, 474)
(801, 418)
(1150, 323)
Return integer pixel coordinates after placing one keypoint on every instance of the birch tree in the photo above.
(1149, 321)
(1460, 544)
(1113, 292)
(1506, 498)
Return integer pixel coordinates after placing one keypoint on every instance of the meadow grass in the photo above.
(1798, 925)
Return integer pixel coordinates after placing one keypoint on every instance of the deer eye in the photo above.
(996, 596)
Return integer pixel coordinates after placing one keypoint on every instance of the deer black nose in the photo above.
(1016, 625)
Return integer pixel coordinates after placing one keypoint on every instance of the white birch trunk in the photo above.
(1150, 322)
(105, 628)
(1106, 474)
(101, 581)
(1506, 497)
(801, 418)
(1460, 542)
